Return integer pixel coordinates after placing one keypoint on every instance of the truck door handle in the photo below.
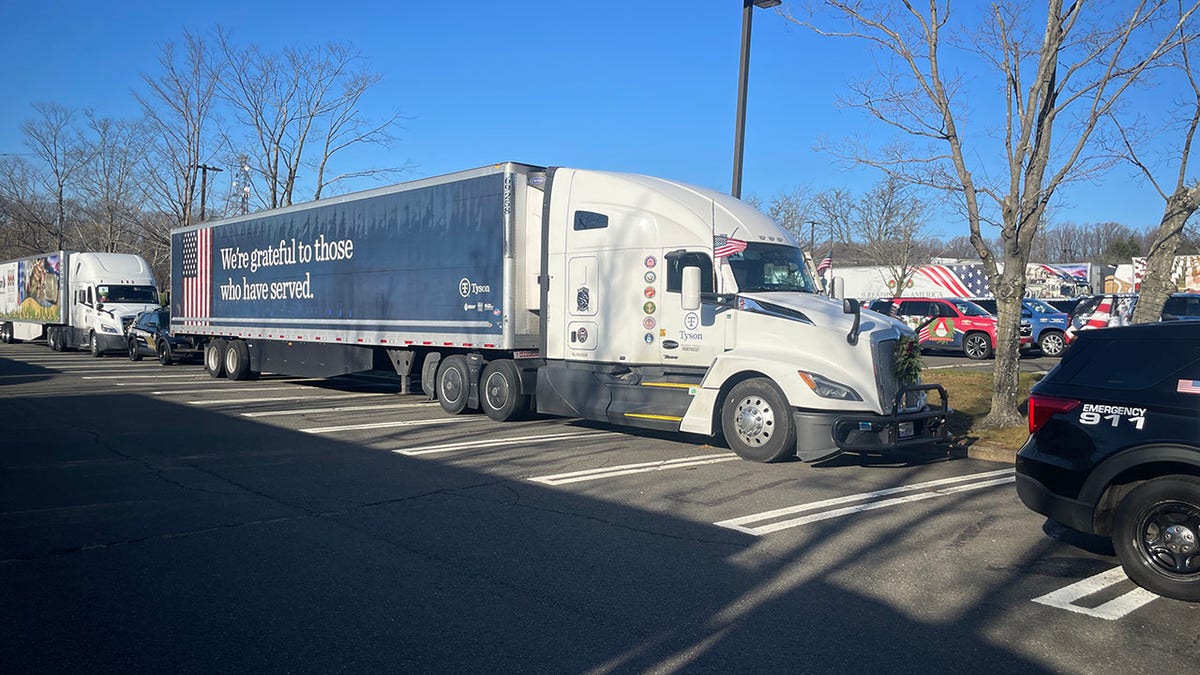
(574, 335)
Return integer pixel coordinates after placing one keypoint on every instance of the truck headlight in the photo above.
(827, 388)
(108, 329)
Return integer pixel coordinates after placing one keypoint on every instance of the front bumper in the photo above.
(112, 343)
(820, 435)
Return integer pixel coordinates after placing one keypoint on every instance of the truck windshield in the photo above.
(111, 293)
(771, 267)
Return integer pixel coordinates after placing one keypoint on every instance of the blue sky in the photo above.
(624, 85)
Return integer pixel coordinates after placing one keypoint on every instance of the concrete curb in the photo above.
(987, 453)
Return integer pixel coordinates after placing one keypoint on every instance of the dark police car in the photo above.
(1114, 449)
(150, 335)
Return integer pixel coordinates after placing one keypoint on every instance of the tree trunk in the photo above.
(1005, 390)
(1157, 284)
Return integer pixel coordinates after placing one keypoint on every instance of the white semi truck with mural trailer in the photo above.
(612, 297)
(74, 300)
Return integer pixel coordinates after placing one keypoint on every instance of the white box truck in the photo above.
(612, 297)
(74, 299)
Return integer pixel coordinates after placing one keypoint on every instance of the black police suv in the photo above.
(150, 335)
(1114, 449)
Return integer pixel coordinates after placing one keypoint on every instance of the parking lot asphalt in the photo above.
(153, 518)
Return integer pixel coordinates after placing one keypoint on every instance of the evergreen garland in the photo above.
(908, 360)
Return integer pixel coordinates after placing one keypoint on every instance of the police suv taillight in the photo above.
(1042, 408)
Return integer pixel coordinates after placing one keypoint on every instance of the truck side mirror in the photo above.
(690, 289)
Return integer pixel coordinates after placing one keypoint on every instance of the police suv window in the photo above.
(1107, 365)
(677, 261)
(587, 220)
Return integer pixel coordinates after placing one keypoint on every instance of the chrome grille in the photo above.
(885, 372)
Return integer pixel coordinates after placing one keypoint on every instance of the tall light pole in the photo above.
(739, 136)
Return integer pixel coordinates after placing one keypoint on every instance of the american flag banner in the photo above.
(961, 281)
(825, 264)
(725, 246)
(1188, 387)
(197, 273)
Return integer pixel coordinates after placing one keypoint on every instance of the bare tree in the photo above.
(111, 188)
(55, 140)
(1182, 199)
(28, 221)
(179, 109)
(792, 211)
(1060, 79)
(889, 230)
(290, 101)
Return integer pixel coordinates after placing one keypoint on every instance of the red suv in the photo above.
(949, 323)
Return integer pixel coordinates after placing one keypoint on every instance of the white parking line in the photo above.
(212, 390)
(348, 408)
(470, 445)
(276, 399)
(626, 469)
(380, 425)
(934, 486)
(1064, 598)
(142, 377)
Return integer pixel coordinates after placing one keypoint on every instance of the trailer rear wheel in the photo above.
(237, 360)
(214, 358)
(502, 399)
(757, 422)
(56, 339)
(454, 384)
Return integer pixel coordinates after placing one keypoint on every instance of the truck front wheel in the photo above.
(454, 384)
(1156, 534)
(757, 422)
(214, 358)
(94, 345)
(502, 399)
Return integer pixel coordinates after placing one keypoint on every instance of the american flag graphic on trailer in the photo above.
(960, 281)
(196, 270)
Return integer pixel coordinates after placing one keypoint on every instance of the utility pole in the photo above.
(204, 169)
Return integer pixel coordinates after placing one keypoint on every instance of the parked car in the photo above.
(1047, 324)
(948, 323)
(1114, 449)
(1064, 305)
(150, 335)
(1116, 309)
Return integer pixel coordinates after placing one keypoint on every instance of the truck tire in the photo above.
(165, 356)
(501, 398)
(454, 384)
(1156, 534)
(977, 346)
(94, 345)
(134, 354)
(237, 360)
(56, 339)
(214, 358)
(6, 333)
(757, 422)
(1052, 343)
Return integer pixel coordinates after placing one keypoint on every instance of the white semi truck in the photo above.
(74, 300)
(612, 297)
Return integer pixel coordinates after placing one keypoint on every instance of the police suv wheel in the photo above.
(1156, 533)
(757, 422)
(134, 354)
